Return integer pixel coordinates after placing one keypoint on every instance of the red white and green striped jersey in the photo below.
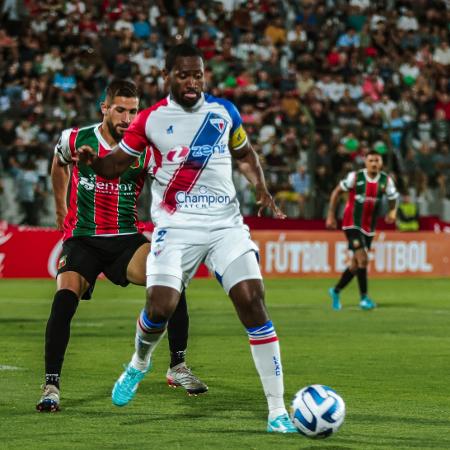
(364, 199)
(98, 206)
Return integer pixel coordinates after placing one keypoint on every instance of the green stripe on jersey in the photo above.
(128, 197)
(86, 186)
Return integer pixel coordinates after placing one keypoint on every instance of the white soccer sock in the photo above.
(148, 336)
(265, 350)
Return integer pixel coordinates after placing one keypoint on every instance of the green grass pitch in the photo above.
(391, 366)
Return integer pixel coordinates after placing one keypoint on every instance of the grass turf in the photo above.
(390, 365)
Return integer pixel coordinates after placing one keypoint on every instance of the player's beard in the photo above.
(114, 132)
(184, 102)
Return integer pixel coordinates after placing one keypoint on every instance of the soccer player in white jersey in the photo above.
(195, 136)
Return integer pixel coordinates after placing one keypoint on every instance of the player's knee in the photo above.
(248, 297)
(65, 303)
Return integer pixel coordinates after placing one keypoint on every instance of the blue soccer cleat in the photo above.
(126, 386)
(281, 424)
(366, 303)
(335, 299)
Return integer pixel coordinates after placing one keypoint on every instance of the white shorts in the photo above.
(178, 252)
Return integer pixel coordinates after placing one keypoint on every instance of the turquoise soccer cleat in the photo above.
(281, 424)
(126, 386)
(335, 299)
(366, 303)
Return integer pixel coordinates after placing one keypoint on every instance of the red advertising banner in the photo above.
(27, 252)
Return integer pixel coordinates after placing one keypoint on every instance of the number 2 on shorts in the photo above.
(161, 235)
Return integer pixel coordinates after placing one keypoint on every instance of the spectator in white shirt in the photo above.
(408, 21)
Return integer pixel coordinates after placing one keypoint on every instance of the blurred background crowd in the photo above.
(318, 84)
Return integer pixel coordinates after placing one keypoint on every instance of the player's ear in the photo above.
(103, 108)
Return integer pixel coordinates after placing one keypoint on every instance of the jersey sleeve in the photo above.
(348, 182)
(135, 139)
(62, 148)
(238, 136)
(391, 190)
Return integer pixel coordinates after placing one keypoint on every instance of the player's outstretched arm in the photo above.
(111, 166)
(248, 164)
(60, 175)
(391, 215)
(331, 222)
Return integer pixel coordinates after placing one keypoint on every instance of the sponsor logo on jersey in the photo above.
(201, 200)
(106, 187)
(365, 199)
(177, 154)
(207, 150)
(170, 130)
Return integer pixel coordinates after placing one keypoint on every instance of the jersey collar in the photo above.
(371, 180)
(100, 138)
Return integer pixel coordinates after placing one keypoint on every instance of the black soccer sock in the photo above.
(346, 277)
(57, 333)
(177, 331)
(362, 280)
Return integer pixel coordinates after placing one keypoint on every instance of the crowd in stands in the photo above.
(318, 83)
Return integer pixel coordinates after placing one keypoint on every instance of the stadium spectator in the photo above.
(403, 54)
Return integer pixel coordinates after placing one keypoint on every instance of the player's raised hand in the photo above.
(86, 155)
(265, 200)
(391, 216)
(331, 223)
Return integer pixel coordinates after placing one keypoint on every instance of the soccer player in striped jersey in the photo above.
(101, 234)
(366, 189)
(196, 213)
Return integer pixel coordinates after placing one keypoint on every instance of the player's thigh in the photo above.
(78, 266)
(226, 246)
(175, 253)
(137, 264)
(120, 252)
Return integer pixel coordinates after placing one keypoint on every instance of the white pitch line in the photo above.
(5, 367)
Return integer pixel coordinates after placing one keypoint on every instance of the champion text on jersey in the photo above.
(205, 143)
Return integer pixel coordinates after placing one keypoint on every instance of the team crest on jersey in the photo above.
(218, 123)
(177, 154)
(62, 262)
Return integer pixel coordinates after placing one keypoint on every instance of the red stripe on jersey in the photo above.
(158, 159)
(347, 220)
(106, 206)
(71, 217)
(369, 206)
(183, 179)
(135, 136)
(263, 341)
(72, 139)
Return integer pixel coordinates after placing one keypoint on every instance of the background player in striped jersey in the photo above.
(101, 235)
(195, 209)
(365, 189)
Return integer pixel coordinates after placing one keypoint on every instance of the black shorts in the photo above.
(90, 256)
(357, 239)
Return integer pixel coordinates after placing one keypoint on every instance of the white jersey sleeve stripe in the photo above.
(127, 149)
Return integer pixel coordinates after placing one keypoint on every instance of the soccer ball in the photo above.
(317, 411)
